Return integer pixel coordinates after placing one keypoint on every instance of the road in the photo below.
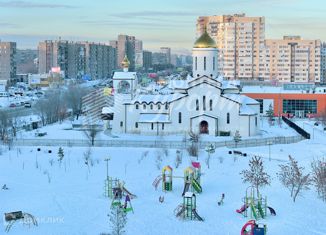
(20, 111)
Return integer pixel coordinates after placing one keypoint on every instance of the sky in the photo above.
(157, 22)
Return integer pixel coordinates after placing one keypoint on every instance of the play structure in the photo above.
(191, 179)
(12, 217)
(251, 228)
(117, 200)
(187, 210)
(111, 184)
(255, 205)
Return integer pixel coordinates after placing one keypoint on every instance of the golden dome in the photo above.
(125, 63)
(205, 41)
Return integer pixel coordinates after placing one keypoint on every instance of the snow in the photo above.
(241, 99)
(157, 98)
(73, 202)
(154, 118)
(246, 110)
(124, 75)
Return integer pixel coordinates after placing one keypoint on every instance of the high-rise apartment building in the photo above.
(167, 52)
(138, 54)
(126, 47)
(147, 60)
(291, 59)
(323, 63)
(7, 62)
(239, 39)
(77, 59)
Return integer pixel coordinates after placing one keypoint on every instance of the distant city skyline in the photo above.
(157, 23)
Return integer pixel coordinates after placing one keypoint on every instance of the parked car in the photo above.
(12, 105)
(27, 105)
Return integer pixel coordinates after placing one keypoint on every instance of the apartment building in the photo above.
(138, 54)
(167, 52)
(291, 59)
(126, 46)
(147, 60)
(239, 39)
(77, 59)
(323, 63)
(7, 62)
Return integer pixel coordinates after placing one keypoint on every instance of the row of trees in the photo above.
(291, 175)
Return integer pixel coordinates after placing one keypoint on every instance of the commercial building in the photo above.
(147, 60)
(299, 100)
(8, 65)
(291, 59)
(239, 39)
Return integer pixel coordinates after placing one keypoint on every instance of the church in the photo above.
(203, 103)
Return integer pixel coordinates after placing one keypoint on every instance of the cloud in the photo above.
(25, 4)
(9, 25)
(153, 14)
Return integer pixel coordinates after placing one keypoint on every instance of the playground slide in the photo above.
(181, 211)
(253, 210)
(129, 193)
(271, 210)
(250, 224)
(196, 215)
(261, 211)
(157, 181)
(196, 186)
(242, 209)
(186, 188)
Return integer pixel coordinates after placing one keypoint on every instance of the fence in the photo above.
(296, 128)
(157, 143)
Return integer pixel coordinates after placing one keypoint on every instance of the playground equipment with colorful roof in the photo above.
(187, 210)
(191, 179)
(252, 228)
(255, 205)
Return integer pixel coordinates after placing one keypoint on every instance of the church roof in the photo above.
(155, 99)
(124, 75)
(246, 110)
(241, 99)
(205, 41)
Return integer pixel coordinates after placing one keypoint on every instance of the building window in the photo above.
(214, 63)
(180, 117)
(205, 63)
(197, 105)
(158, 106)
(152, 126)
(210, 105)
(121, 124)
(151, 106)
(196, 63)
(162, 126)
(256, 121)
(204, 103)
(228, 118)
(300, 108)
(137, 106)
(144, 106)
(166, 106)
(136, 124)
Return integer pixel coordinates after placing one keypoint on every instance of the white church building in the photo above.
(203, 103)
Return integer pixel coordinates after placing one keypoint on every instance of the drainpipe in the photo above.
(249, 126)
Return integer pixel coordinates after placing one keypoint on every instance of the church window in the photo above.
(137, 106)
(180, 117)
(121, 124)
(214, 63)
(228, 118)
(166, 106)
(151, 106)
(162, 126)
(256, 121)
(205, 63)
(152, 126)
(204, 103)
(158, 106)
(196, 63)
(136, 124)
(197, 105)
(210, 105)
(144, 106)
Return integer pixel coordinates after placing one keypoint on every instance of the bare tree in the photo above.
(292, 177)
(91, 132)
(158, 160)
(319, 177)
(193, 149)
(41, 108)
(118, 220)
(178, 158)
(256, 175)
(5, 123)
(74, 96)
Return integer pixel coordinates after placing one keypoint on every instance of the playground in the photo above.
(72, 197)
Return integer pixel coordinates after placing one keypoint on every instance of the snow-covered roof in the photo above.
(242, 99)
(154, 117)
(178, 84)
(281, 90)
(124, 75)
(246, 110)
(157, 98)
(229, 85)
(106, 110)
(189, 194)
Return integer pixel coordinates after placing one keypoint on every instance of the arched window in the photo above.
(158, 106)
(166, 106)
(151, 106)
(152, 126)
(204, 62)
(204, 103)
(214, 63)
(180, 117)
(210, 105)
(197, 105)
(196, 63)
(137, 106)
(136, 124)
(256, 121)
(228, 118)
(144, 106)
(162, 126)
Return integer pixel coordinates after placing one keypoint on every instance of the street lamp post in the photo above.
(107, 167)
(269, 150)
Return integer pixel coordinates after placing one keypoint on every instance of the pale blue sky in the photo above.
(156, 22)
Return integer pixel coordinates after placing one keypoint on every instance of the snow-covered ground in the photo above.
(68, 199)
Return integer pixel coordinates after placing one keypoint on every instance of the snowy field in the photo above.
(68, 199)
